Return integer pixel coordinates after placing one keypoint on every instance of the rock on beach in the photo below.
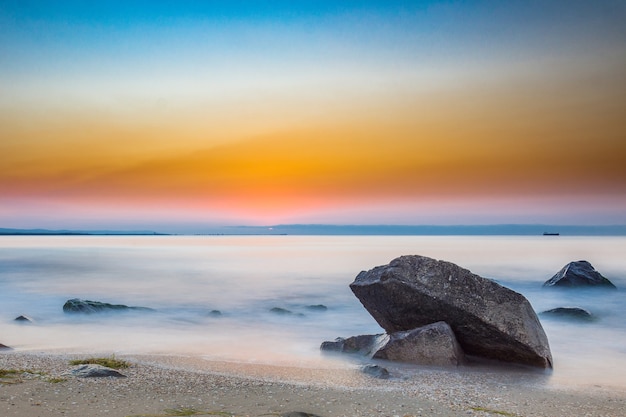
(434, 344)
(489, 320)
(95, 371)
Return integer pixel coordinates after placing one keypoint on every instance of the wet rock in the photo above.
(5, 347)
(575, 313)
(579, 274)
(488, 320)
(298, 414)
(376, 371)
(76, 305)
(95, 371)
(365, 345)
(284, 312)
(317, 307)
(23, 319)
(215, 313)
(434, 344)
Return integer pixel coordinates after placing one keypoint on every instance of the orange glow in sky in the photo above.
(378, 114)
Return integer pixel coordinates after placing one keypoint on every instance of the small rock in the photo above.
(318, 307)
(215, 313)
(4, 347)
(363, 344)
(24, 319)
(298, 414)
(95, 371)
(579, 274)
(284, 312)
(375, 371)
(575, 313)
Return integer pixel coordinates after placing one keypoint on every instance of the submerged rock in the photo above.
(76, 305)
(95, 371)
(488, 320)
(317, 307)
(575, 313)
(434, 344)
(579, 274)
(23, 319)
(284, 312)
(5, 347)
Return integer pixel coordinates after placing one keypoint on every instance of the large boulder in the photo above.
(76, 305)
(489, 320)
(434, 344)
(578, 274)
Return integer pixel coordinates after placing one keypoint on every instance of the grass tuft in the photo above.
(108, 362)
(9, 373)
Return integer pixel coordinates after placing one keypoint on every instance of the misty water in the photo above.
(186, 278)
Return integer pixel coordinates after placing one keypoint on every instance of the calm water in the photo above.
(186, 277)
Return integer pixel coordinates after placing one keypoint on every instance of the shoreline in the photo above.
(157, 383)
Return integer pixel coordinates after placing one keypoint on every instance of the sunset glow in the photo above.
(169, 114)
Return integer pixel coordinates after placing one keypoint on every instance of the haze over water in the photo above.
(185, 278)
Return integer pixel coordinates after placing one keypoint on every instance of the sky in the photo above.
(179, 115)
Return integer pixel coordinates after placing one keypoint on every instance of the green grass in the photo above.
(12, 376)
(9, 373)
(108, 362)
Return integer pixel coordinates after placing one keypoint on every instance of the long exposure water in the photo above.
(186, 278)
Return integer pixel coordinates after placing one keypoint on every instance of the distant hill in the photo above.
(46, 232)
(425, 230)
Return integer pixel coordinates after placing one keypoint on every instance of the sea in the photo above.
(274, 299)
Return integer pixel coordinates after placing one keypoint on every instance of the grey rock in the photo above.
(489, 320)
(298, 414)
(434, 344)
(95, 371)
(365, 345)
(5, 347)
(575, 313)
(284, 312)
(579, 274)
(23, 319)
(376, 371)
(317, 307)
(76, 305)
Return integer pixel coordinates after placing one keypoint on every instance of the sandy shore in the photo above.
(167, 385)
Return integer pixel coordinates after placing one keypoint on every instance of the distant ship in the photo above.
(551, 234)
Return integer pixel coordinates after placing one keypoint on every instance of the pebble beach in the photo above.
(157, 385)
